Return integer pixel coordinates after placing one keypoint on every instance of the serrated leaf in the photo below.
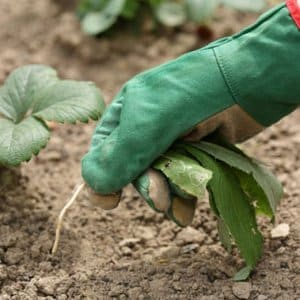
(19, 141)
(97, 22)
(68, 101)
(20, 88)
(243, 274)
(200, 10)
(233, 206)
(184, 172)
(235, 158)
(33, 94)
(246, 5)
(171, 13)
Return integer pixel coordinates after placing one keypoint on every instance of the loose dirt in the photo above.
(130, 252)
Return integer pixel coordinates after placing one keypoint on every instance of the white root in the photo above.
(61, 216)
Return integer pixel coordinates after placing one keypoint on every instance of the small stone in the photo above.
(189, 248)
(190, 235)
(129, 242)
(47, 285)
(52, 155)
(126, 251)
(242, 290)
(177, 287)
(280, 231)
(168, 253)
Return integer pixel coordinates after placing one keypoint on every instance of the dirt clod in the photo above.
(190, 235)
(242, 290)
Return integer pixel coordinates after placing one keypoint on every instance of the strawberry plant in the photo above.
(33, 95)
(240, 188)
(97, 16)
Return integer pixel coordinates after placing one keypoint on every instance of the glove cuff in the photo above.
(260, 66)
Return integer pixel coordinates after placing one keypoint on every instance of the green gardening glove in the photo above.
(235, 87)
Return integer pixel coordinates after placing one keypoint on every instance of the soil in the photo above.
(130, 252)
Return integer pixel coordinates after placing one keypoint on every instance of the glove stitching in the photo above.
(231, 84)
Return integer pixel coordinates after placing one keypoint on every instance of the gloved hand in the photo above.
(235, 86)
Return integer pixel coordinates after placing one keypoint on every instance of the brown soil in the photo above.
(130, 252)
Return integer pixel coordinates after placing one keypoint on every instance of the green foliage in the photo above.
(184, 172)
(99, 15)
(260, 183)
(31, 96)
(239, 188)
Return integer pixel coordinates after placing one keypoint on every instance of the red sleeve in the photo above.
(294, 8)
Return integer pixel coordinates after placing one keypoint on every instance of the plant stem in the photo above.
(61, 216)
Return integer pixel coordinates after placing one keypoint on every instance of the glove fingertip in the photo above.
(106, 202)
(182, 211)
(154, 188)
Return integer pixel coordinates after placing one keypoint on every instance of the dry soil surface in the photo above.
(130, 252)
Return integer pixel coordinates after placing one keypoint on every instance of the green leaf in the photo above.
(87, 6)
(255, 193)
(97, 22)
(19, 141)
(94, 23)
(20, 89)
(130, 9)
(171, 13)
(184, 172)
(33, 94)
(246, 5)
(233, 206)
(243, 274)
(224, 235)
(69, 101)
(200, 10)
(264, 178)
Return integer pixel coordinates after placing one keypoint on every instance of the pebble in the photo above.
(47, 285)
(126, 251)
(190, 235)
(189, 248)
(242, 290)
(176, 286)
(168, 253)
(52, 155)
(129, 242)
(52, 285)
(280, 231)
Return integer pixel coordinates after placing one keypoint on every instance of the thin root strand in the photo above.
(61, 216)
